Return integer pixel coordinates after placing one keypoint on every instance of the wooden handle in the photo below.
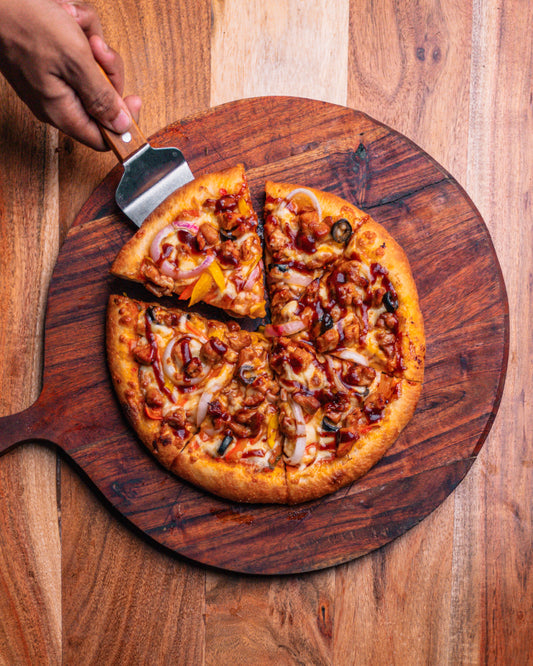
(18, 428)
(124, 145)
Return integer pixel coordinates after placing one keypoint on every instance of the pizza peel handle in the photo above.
(150, 174)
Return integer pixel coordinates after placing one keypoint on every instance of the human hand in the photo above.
(50, 52)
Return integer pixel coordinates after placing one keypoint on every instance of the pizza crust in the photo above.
(238, 482)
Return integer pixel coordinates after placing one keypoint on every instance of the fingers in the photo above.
(85, 16)
(109, 60)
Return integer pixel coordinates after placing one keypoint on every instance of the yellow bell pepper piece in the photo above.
(272, 429)
(258, 310)
(202, 286)
(243, 207)
(217, 275)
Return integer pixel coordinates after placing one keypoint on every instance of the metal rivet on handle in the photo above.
(126, 137)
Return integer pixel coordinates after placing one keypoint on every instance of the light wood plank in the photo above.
(493, 608)
(288, 47)
(30, 548)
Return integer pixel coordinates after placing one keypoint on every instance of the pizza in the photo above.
(309, 401)
(202, 244)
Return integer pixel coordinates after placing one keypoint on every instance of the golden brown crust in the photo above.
(322, 478)
(238, 482)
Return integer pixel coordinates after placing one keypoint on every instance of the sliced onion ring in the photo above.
(166, 358)
(301, 435)
(251, 278)
(350, 355)
(289, 328)
(168, 269)
(310, 195)
(155, 247)
(203, 403)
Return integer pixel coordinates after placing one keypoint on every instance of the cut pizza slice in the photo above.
(237, 453)
(164, 364)
(338, 417)
(202, 244)
(357, 298)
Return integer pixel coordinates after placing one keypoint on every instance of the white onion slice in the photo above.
(168, 269)
(301, 435)
(289, 328)
(350, 355)
(203, 403)
(310, 195)
(166, 361)
(340, 385)
(155, 247)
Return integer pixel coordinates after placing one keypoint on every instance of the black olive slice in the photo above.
(224, 445)
(328, 425)
(341, 231)
(282, 268)
(390, 301)
(226, 235)
(327, 322)
(246, 374)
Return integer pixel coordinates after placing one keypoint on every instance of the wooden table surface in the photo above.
(77, 586)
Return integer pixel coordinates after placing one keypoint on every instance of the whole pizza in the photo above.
(306, 403)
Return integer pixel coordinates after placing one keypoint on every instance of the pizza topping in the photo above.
(301, 435)
(213, 349)
(302, 192)
(390, 301)
(341, 231)
(246, 374)
(289, 328)
(350, 355)
(224, 445)
(328, 425)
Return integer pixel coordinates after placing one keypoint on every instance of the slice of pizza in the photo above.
(165, 364)
(361, 304)
(338, 417)
(237, 453)
(202, 244)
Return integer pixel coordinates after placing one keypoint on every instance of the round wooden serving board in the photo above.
(463, 301)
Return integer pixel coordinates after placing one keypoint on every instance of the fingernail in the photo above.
(121, 123)
(105, 46)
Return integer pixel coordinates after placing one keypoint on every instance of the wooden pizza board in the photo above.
(462, 297)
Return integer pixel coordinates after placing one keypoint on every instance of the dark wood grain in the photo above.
(462, 297)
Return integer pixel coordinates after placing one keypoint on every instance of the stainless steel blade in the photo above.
(150, 176)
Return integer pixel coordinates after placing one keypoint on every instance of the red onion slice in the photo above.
(289, 328)
(298, 279)
(155, 247)
(251, 278)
